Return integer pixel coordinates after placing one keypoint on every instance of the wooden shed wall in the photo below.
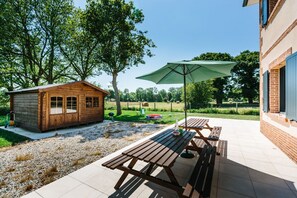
(25, 107)
(82, 116)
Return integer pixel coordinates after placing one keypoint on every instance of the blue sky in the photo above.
(182, 30)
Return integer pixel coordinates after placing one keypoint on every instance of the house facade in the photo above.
(278, 72)
(56, 106)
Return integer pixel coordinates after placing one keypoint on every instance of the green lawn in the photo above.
(10, 139)
(2, 120)
(170, 117)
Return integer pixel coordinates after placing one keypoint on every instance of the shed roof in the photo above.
(51, 86)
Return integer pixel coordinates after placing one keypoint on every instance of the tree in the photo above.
(219, 93)
(126, 94)
(149, 94)
(199, 94)
(52, 17)
(246, 74)
(79, 48)
(20, 49)
(30, 38)
(162, 96)
(140, 94)
(121, 44)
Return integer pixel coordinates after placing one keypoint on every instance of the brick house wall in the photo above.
(286, 142)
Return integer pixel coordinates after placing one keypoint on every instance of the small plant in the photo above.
(2, 184)
(78, 162)
(24, 157)
(130, 138)
(28, 188)
(10, 169)
(97, 153)
(106, 135)
(60, 148)
(26, 178)
(50, 171)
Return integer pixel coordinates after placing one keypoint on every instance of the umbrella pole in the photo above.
(186, 154)
(185, 96)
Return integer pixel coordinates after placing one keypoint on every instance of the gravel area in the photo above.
(28, 166)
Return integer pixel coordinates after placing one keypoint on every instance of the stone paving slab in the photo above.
(37, 136)
(251, 166)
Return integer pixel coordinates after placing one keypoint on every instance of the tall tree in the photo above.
(122, 45)
(149, 94)
(219, 84)
(52, 17)
(140, 94)
(20, 43)
(79, 48)
(199, 94)
(247, 74)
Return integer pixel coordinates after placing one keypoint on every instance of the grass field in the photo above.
(226, 108)
(170, 117)
(10, 139)
(175, 105)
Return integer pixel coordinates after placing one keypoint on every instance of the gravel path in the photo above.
(29, 166)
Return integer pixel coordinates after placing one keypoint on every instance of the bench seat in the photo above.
(215, 133)
(116, 161)
(200, 181)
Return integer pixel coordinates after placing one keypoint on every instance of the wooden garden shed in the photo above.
(56, 106)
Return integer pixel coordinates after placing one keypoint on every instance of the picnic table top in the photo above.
(162, 149)
(195, 123)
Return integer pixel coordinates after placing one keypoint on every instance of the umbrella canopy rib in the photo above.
(168, 74)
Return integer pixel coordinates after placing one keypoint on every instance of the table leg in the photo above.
(171, 175)
(149, 170)
(202, 137)
(125, 174)
(208, 127)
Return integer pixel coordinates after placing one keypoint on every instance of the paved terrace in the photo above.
(251, 166)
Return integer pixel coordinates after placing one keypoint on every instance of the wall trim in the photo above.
(284, 34)
(281, 60)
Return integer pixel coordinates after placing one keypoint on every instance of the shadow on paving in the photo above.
(225, 182)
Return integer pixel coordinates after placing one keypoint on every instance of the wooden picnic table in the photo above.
(197, 124)
(160, 150)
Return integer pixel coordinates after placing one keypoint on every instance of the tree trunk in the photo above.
(116, 93)
(250, 100)
(219, 101)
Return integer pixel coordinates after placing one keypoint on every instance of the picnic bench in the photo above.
(200, 140)
(199, 184)
(162, 150)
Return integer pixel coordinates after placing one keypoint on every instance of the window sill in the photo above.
(281, 119)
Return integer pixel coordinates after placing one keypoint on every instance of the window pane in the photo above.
(95, 102)
(89, 102)
(71, 104)
(56, 105)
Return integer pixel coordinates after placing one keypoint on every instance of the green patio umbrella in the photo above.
(183, 72)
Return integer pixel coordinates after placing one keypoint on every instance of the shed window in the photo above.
(56, 105)
(71, 104)
(92, 102)
(95, 102)
(89, 102)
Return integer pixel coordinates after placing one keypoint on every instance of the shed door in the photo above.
(71, 110)
(63, 111)
(56, 117)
